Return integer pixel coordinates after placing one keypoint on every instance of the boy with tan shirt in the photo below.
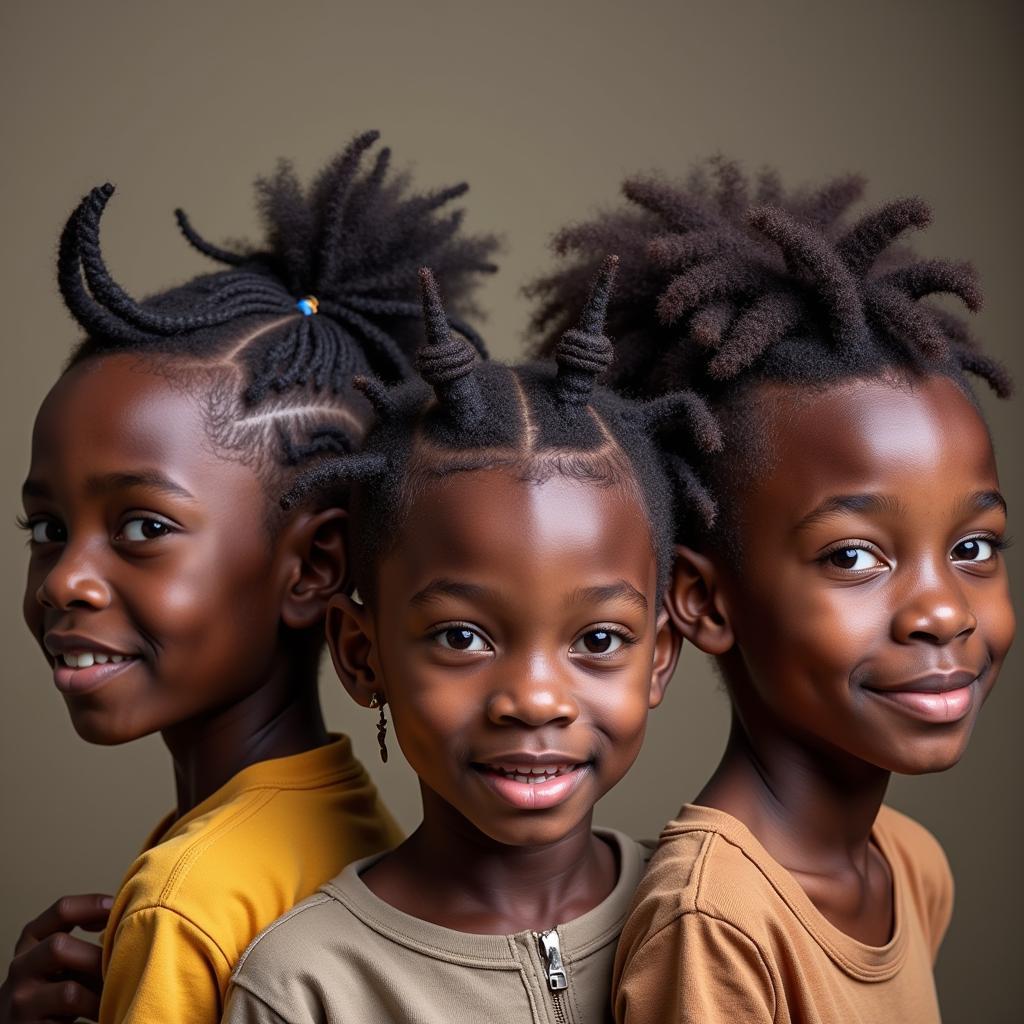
(851, 590)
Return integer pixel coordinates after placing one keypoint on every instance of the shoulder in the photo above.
(236, 869)
(701, 921)
(919, 862)
(912, 842)
(701, 865)
(317, 939)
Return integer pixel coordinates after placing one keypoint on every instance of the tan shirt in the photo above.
(345, 955)
(721, 932)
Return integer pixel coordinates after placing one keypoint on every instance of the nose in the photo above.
(936, 612)
(536, 693)
(73, 582)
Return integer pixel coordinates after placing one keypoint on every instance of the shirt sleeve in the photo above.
(242, 1007)
(696, 970)
(162, 968)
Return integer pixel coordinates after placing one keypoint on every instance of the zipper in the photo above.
(558, 982)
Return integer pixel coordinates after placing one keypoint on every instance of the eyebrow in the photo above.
(448, 588)
(111, 482)
(609, 592)
(837, 504)
(983, 501)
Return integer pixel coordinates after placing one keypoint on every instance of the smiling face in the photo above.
(871, 610)
(515, 633)
(153, 586)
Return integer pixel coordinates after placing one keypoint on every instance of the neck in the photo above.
(277, 718)
(812, 808)
(476, 884)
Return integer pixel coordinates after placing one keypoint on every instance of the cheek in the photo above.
(808, 631)
(997, 623)
(618, 709)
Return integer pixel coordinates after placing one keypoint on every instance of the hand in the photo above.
(54, 976)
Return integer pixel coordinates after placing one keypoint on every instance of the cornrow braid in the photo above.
(331, 292)
(730, 282)
(536, 420)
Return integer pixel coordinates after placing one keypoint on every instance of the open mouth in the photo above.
(76, 672)
(533, 786)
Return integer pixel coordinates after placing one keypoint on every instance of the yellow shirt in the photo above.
(208, 883)
(721, 933)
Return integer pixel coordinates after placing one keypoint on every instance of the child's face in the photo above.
(872, 611)
(516, 633)
(150, 558)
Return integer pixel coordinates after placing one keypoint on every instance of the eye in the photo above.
(598, 641)
(47, 531)
(144, 528)
(851, 559)
(461, 638)
(974, 549)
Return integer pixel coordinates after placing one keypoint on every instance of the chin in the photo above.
(101, 731)
(926, 758)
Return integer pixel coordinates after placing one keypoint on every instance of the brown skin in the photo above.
(532, 579)
(147, 542)
(839, 605)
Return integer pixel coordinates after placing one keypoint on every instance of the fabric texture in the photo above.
(721, 932)
(345, 956)
(206, 883)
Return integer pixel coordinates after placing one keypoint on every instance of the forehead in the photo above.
(557, 533)
(909, 439)
(115, 412)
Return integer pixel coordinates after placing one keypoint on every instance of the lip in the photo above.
(75, 681)
(72, 643)
(934, 682)
(941, 698)
(533, 796)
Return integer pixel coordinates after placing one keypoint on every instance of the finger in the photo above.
(56, 953)
(59, 1000)
(88, 910)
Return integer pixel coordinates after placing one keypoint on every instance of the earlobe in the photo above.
(667, 644)
(350, 641)
(696, 603)
(318, 563)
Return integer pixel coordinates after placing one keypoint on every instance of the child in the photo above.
(852, 592)
(513, 539)
(171, 594)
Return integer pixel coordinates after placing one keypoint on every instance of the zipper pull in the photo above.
(551, 950)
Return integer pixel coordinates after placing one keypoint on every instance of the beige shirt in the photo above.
(721, 932)
(345, 955)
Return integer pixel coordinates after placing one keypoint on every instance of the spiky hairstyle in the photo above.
(332, 291)
(728, 282)
(536, 421)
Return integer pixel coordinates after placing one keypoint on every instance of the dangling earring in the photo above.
(382, 725)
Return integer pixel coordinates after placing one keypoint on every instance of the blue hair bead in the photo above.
(307, 305)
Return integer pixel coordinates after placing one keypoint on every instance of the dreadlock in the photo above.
(276, 338)
(728, 283)
(537, 420)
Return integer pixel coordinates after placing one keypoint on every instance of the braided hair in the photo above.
(729, 283)
(536, 420)
(274, 339)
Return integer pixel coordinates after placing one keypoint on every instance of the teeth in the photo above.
(89, 658)
(531, 775)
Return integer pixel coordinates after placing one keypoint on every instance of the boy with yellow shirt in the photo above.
(171, 593)
(852, 590)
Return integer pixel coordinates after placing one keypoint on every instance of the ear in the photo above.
(696, 604)
(316, 564)
(668, 642)
(350, 641)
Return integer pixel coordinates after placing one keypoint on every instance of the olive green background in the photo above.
(542, 107)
